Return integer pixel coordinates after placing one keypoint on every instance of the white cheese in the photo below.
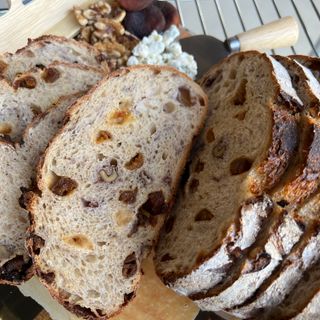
(157, 49)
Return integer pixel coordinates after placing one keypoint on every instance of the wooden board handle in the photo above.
(280, 33)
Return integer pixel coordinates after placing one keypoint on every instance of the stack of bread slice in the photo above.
(243, 236)
(38, 84)
(123, 149)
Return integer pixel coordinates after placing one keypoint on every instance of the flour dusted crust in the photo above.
(209, 231)
(45, 50)
(127, 133)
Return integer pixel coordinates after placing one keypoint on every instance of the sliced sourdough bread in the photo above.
(45, 50)
(292, 196)
(34, 92)
(247, 145)
(266, 258)
(284, 278)
(301, 303)
(18, 175)
(103, 198)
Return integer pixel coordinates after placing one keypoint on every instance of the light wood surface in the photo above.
(36, 18)
(280, 33)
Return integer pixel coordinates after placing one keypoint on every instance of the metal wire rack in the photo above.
(225, 18)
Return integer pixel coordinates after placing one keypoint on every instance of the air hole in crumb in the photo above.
(93, 294)
(240, 165)
(166, 257)
(241, 115)
(36, 110)
(164, 156)
(210, 135)
(193, 186)
(203, 215)
(101, 156)
(282, 203)
(185, 97)
(233, 74)
(101, 243)
(241, 92)
(153, 129)
(169, 107)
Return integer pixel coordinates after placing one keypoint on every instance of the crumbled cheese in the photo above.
(164, 49)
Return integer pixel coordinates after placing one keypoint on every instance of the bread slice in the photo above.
(35, 91)
(18, 173)
(286, 274)
(302, 302)
(102, 199)
(45, 50)
(300, 183)
(249, 141)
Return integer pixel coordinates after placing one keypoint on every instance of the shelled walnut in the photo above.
(101, 26)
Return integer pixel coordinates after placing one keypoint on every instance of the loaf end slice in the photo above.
(104, 197)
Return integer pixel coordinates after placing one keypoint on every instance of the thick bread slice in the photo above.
(265, 259)
(103, 198)
(46, 50)
(248, 142)
(299, 304)
(34, 92)
(18, 173)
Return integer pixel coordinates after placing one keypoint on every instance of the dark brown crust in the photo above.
(16, 271)
(283, 144)
(78, 310)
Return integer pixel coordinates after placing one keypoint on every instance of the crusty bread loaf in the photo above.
(45, 50)
(261, 290)
(249, 140)
(102, 199)
(34, 92)
(18, 173)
